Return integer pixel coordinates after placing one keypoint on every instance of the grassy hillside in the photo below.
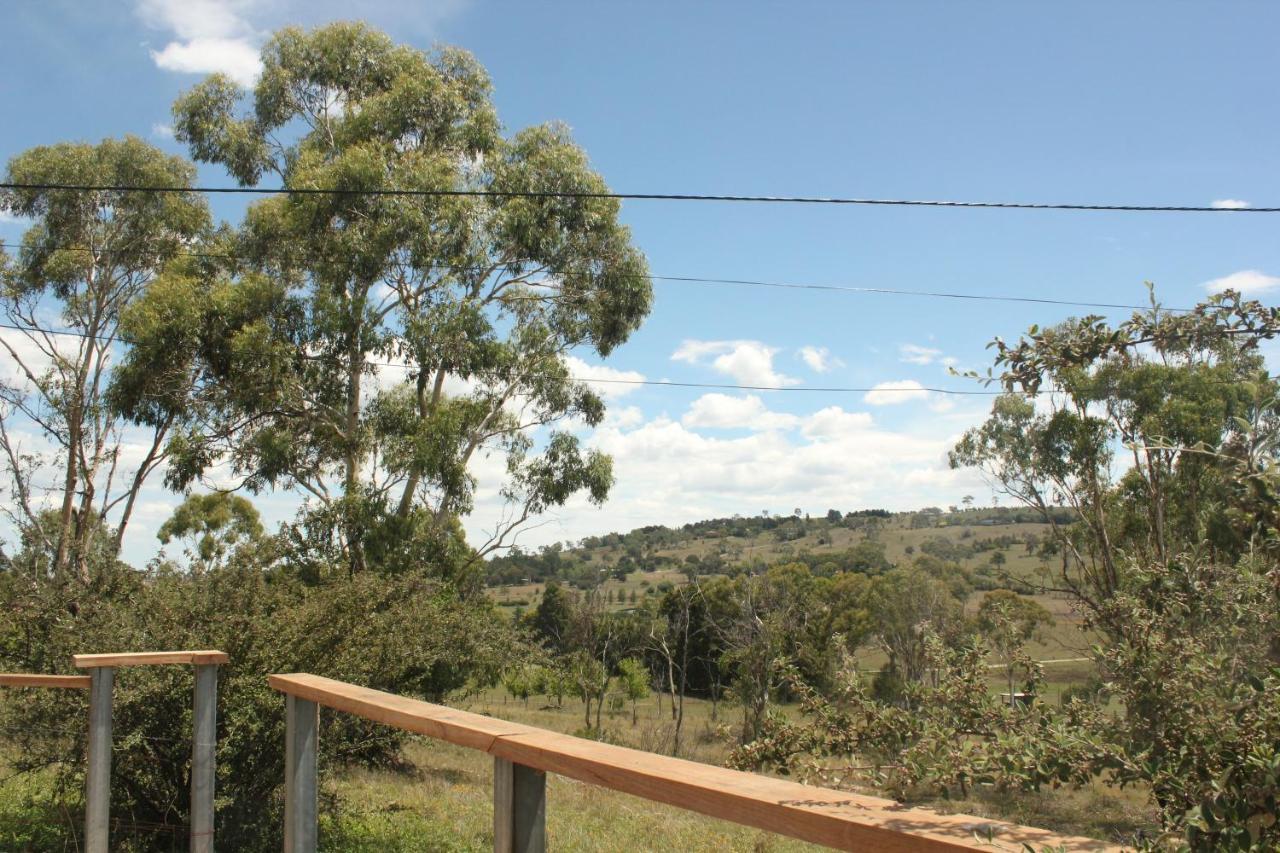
(971, 538)
(990, 548)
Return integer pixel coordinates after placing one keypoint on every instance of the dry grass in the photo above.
(443, 802)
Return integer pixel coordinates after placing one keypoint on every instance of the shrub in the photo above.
(406, 634)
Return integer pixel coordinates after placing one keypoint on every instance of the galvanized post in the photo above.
(203, 748)
(301, 735)
(519, 808)
(97, 784)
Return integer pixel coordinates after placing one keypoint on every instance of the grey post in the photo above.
(203, 748)
(519, 808)
(97, 784)
(301, 734)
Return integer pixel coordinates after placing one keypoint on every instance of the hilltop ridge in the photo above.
(865, 540)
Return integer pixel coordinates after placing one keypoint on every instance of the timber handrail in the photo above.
(27, 679)
(833, 818)
(204, 657)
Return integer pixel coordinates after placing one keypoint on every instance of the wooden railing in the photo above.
(523, 755)
(100, 683)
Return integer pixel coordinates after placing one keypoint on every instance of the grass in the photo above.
(444, 804)
(32, 814)
(440, 798)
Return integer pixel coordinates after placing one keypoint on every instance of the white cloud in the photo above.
(29, 354)
(617, 383)
(236, 58)
(669, 473)
(160, 130)
(1246, 282)
(1230, 204)
(915, 354)
(895, 392)
(749, 362)
(835, 422)
(624, 418)
(722, 411)
(212, 36)
(819, 359)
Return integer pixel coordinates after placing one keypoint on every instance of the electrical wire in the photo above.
(578, 194)
(912, 389)
(705, 280)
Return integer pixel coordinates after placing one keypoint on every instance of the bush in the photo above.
(406, 634)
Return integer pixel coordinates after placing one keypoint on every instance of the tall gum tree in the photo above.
(87, 257)
(368, 347)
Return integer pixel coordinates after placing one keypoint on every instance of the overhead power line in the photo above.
(739, 282)
(766, 199)
(910, 389)
(906, 389)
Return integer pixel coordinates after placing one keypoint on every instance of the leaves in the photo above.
(402, 336)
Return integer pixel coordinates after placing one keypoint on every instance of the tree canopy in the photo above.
(369, 348)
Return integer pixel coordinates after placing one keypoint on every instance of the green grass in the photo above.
(32, 814)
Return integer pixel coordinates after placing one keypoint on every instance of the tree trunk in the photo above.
(138, 478)
(352, 531)
(66, 515)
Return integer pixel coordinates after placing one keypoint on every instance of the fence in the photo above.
(522, 755)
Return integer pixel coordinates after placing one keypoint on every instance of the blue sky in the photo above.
(1160, 102)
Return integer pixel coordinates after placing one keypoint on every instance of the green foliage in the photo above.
(551, 621)
(1198, 678)
(908, 606)
(88, 257)
(1007, 621)
(479, 298)
(1175, 560)
(950, 735)
(215, 523)
(406, 634)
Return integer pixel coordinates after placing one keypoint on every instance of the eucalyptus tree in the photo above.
(1159, 435)
(213, 525)
(380, 343)
(86, 257)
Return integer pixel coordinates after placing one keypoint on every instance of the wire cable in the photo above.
(578, 194)
(739, 282)
(657, 382)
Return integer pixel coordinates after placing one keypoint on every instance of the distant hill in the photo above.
(869, 540)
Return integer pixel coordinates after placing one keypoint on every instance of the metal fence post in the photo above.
(300, 782)
(203, 750)
(519, 808)
(97, 795)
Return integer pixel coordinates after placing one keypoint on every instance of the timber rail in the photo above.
(523, 755)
